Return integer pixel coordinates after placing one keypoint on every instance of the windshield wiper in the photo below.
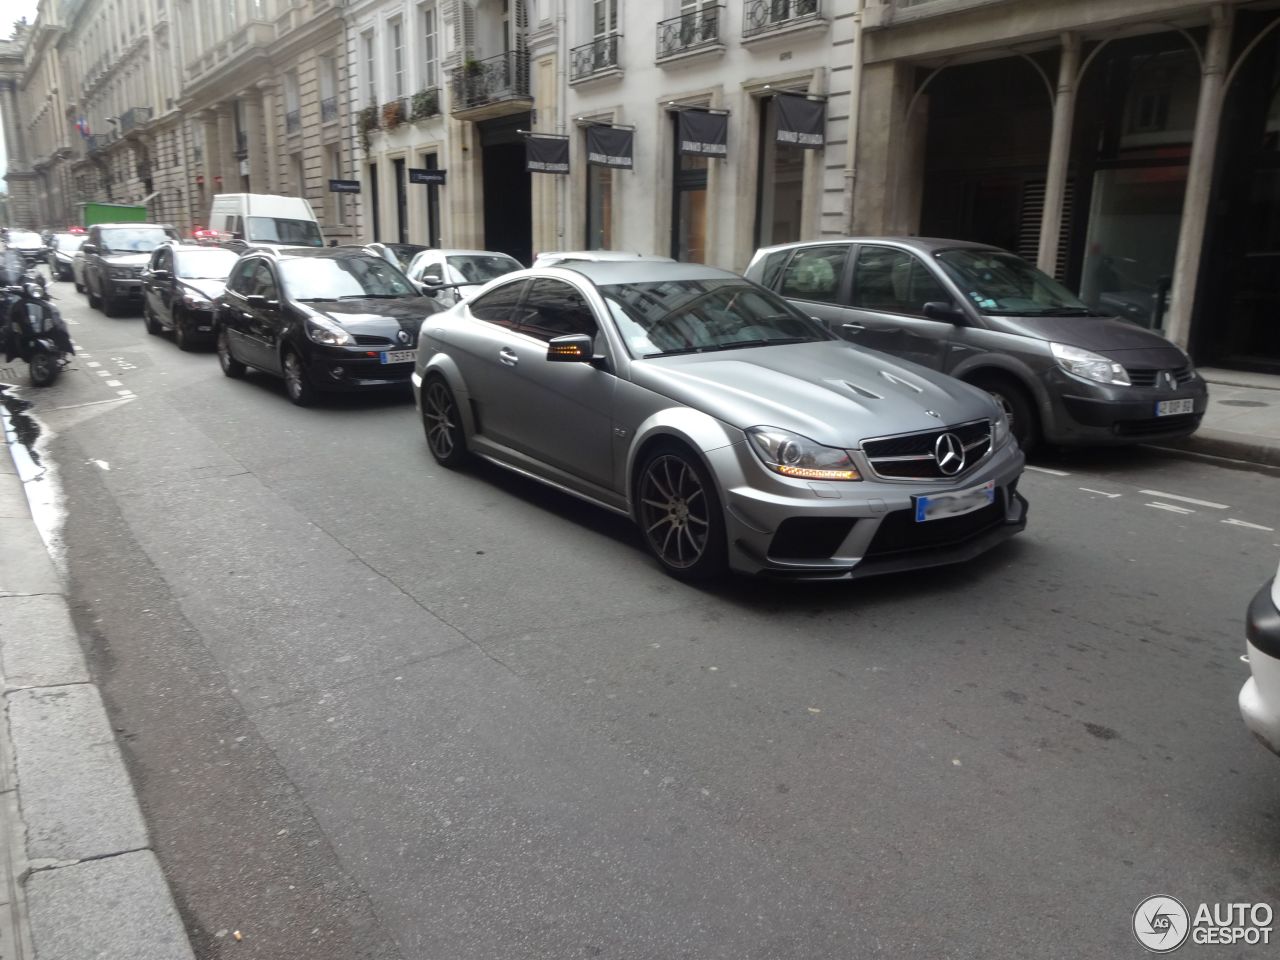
(761, 342)
(677, 352)
(372, 296)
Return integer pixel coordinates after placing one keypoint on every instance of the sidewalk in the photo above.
(80, 879)
(1243, 419)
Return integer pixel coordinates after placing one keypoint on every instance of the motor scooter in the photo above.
(31, 327)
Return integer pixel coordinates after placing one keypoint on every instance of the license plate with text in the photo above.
(1168, 408)
(938, 506)
(399, 356)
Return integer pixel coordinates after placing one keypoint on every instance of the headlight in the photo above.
(795, 456)
(328, 333)
(195, 301)
(34, 291)
(1089, 365)
(999, 430)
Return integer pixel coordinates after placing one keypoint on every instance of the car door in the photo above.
(266, 329)
(885, 307)
(163, 287)
(234, 313)
(816, 279)
(482, 349)
(562, 413)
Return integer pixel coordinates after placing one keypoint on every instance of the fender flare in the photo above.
(698, 431)
(1004, 365)
(444, 366)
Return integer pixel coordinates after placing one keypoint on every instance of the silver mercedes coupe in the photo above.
(735, 430)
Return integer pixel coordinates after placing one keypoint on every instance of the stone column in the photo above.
(212, 150)
(1195, 206)
(883, 193)
(226, 165)
(15, 142)
(251, 115)
(1055, 186)
(269, 94)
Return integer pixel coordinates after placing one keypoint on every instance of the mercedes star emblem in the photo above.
(949, 452)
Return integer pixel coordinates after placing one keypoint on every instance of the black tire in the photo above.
(44, 368)
(231, 367)
(149, 321)
(182, 332)
(79, 286)
(442, 424)
(1016, 402)
(677, 506)
(296, 382)
(110, 306)
(94, 300)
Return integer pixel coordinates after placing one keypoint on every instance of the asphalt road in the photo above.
(376, 709)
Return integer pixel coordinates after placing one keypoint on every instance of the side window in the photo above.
(241, 274)
(814, 273)
(498, 306)
(555, 309)
(433, 271)
(264, 281)
(773, 265)
(894, 281)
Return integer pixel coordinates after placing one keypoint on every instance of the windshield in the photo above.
(343, 278)
(23, 238)
(404, 253)
(1002, 283)
(699, 316)
(295, 233)
(477, 268)
(207, 264)
(67, 242)
(132, 239)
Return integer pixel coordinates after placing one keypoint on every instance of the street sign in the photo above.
(419, 175)
(344, 186)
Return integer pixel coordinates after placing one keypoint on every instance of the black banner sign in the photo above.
(801, 121)
(703, 133)
(546, 154)
(344, 186)
(610, 147)
(422, 175)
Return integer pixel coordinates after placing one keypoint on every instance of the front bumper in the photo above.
(124, 288)
(805, 530)
(355, 368)
(1097, 413)
(1260, 695)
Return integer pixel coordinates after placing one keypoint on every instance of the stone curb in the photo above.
(1228, 445)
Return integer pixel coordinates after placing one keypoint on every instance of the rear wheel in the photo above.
(442, 424)
(679, 512)
(296, 381)
(182, 331)
(149, 320)
(44, 368)
(1018, 407)
(231, 367)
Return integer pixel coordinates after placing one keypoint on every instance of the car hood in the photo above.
(1124, 342)
(378, 316)
(832, 392)
(206, 287)
(127, 259)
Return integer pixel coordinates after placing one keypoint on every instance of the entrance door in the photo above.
(402, 202)
(780, 195)
(430, 161)
(508, 188)
(374, 203)
(689, 203)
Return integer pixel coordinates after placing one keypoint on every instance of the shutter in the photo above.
(1029, 224)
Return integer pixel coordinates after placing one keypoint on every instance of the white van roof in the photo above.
(262, 205)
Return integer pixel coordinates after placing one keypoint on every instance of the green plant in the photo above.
(367, 122)
(426, 103)
(392, 114)
(472, 67)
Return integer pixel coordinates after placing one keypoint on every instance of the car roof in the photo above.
(296, 253)
(599, 255)
(922, 244)
(457, 252)
(607, 272)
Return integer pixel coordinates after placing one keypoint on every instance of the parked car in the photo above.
(179, 288)
(1260, 695)
(398, 254)
(1061, 371)
(62, 248)
(115, 256)
(27, 244)
(470, 269)
(551, 258)
(335, 318)
(734, 430)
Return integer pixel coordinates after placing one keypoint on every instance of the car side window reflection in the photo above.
(264, 281)
(814, 273)
(238, 282)
(554, 308)
(498, 306)
(894, 281)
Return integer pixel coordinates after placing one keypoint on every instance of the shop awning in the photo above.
(704, 133)
(546, 153)
(802, 122)
(610, 146)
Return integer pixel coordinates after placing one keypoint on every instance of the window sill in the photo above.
(684, 57)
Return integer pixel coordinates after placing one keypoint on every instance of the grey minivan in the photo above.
(1063, 372)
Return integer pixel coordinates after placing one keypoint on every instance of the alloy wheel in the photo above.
(675, 512)
(295, 379)
(440, 415)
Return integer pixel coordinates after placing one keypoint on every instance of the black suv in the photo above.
(337, 318)
(115, 257)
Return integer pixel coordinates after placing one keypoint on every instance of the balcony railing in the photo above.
(599, 55)
(765, 16)
(328, 109)
(293, 121)
(690, 32)
(134, 117)
(98, 141)
(496, 80)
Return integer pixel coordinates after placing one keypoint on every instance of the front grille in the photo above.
(899, 532)
(803, 538)
(1147, 376)
(1157, 426)
(910, 456)
(366, 340)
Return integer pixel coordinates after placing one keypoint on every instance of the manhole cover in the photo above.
(1244, 403)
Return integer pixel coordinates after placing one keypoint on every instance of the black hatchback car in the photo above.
(179, 287)
(335, 318)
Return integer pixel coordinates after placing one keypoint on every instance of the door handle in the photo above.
(508, 356)
(854, 327)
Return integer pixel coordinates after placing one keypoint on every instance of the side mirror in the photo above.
(259, 302)
(428, 289)
(89, 247)
(943, 310)
(573, 348)
(161, 274)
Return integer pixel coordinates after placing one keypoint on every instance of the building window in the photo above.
(230, 7)
(299, 182)
(370, 72)
(292, 104)
(328, 89)
(604, 17)
(396, 41)
(430, 48)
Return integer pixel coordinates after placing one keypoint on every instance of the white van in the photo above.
(261, 219)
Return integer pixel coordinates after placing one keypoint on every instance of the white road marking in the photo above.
(93, 363)
(103, 373)
(1251, 526)
(1101, 493)
(129, 393)
(1056, 473)
(114, 383)
(1171, 508)
(101, 463)
(1174, 496)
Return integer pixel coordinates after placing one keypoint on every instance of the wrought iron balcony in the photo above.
(494, 87)
(134, 117)
(761, 17)
(98, 141)
(328, 109)
(293, 121)
(690, 32)
(598, 56)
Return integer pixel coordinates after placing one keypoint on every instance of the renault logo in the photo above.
(403, 336)
(1166, 378)
(949, 452)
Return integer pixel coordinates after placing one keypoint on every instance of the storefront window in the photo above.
(599, 207)
(780, 196)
